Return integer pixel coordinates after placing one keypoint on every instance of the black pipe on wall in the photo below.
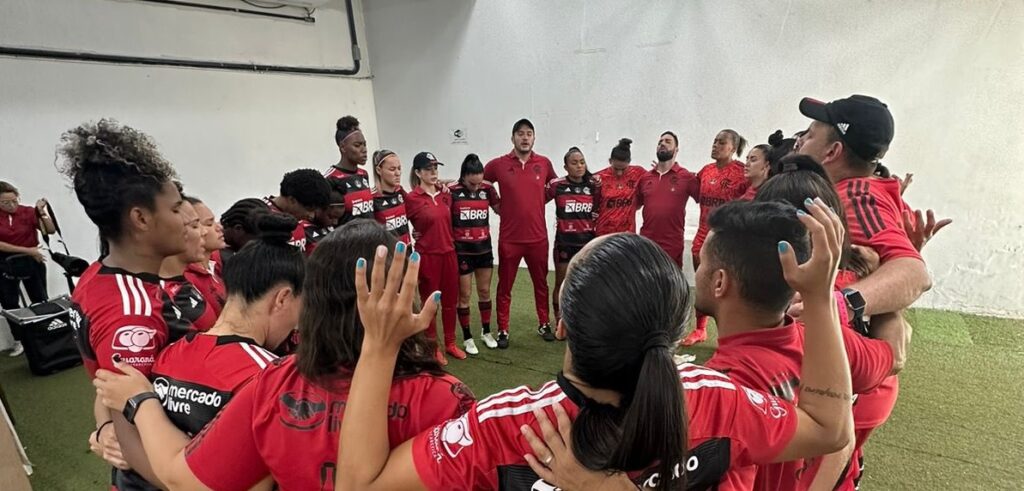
(50, 54)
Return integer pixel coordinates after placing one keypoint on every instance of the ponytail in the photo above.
(738, 142)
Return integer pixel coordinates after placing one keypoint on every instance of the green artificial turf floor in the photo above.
(959, 423)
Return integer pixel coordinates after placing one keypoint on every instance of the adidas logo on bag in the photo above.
(56, 324)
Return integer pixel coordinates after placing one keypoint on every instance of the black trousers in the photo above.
(35, 285)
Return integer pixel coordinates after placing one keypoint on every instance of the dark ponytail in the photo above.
(587, 176)
(626, 347)
(470, 165)
(738, 142)
(267, 261)
(621, 152)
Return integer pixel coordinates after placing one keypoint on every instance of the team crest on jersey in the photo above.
(455, 436)
(586, 190)
(134, 339)
(302, 411)
(483, 194)
(401, 199)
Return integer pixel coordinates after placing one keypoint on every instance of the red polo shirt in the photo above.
(523, 195)
(663, 197)
(617, 209)
(431, 219)
(19, 228)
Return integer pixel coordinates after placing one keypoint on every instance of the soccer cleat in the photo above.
(502, 339)
(489, 340)
(471, 347)
(696, 336)
(454, 350)
(17, 350)
(440, 358)
(544, 330)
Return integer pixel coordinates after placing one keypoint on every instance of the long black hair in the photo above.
(329, 327)
(470, 165)
(267, 261)
(626, 347)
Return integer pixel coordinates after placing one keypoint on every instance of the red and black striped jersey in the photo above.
(197, 375)
(471, 217)
(210, 285)
(729, 426)
(389, 210)
(355, 186)
(187, 303)
(575, 211)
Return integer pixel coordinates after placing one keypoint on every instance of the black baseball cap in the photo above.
(424, 160)
(863, 122)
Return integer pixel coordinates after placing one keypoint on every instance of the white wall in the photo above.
(952, 72)
(229, 134)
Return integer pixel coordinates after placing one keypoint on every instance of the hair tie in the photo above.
(790, 167)
(656, 340)
(348, 135)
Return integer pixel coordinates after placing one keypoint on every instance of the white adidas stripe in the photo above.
(262, 351)
(125, 301)
(252, 354)
(521, 409)
(701, 372)
(136, 297)
(704, 383)
(517, 396)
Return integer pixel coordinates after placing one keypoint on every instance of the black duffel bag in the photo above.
(46, 333)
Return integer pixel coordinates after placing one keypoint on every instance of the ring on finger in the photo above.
(548, 460)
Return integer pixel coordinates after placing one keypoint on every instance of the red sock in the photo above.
(463, 317)
(702, 322)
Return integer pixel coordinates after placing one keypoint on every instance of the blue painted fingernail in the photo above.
(437, 296)
(801, 212)
(415, 257)
(808, 201)
(400, 247)
(360, 263)
(783, 247)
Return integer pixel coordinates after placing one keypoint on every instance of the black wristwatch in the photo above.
(855, 302)
(132, 406)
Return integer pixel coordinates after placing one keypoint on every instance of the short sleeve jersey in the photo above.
(355, 186)
(186, 305)
(617, 208)
(431, 220)
(209, 284)
(664, 198)
(389, 211)
(523, 189)
(728, 426)
(19, 228)
(197, 375)
(574, 210)
(874, 215)
(471, 218)
(282, 425)
(115, 311)
(717, 187)
(770, 360)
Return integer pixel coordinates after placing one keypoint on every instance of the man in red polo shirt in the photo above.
(18, 236)
(522, 177)
(663, 193)
(849, 136)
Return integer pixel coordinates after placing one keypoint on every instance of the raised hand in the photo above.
(920, 231)
(905, 182)
(815, 277)
(386, 303)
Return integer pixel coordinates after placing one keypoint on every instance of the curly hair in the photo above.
(112, 168)
(308, 186)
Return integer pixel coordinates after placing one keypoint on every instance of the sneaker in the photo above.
(454, 350)
(489, 340)
(440, 357)
(471, 347)
(17, 350)
(697, 336)
(502, 339)
(684, 358)
(545, 332)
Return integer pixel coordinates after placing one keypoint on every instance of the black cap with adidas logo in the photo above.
(863, 122)
(424, 160)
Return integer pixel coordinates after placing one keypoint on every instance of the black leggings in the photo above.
(35, 285)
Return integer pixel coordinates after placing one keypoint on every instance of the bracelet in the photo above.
(100, 430)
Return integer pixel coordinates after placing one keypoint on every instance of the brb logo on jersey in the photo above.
(134, 339)
(362, 207)
(456, 437)
(472, 215)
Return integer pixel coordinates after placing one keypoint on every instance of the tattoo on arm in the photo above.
(827, 392)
